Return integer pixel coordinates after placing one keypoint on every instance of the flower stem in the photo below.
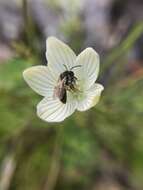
(55, 161)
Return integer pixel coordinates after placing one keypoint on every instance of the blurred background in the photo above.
(101, 149)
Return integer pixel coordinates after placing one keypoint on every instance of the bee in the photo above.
(66, 81)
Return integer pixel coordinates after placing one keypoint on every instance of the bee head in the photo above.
(69, 77)
(67, 74)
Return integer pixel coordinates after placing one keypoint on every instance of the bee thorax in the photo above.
(69, 80)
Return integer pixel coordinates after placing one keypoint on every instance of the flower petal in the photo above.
(53, 110)
(59, 54)
(40, 79)
(90, 97)
(89, 61)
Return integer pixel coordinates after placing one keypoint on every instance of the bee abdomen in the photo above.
(63, 98)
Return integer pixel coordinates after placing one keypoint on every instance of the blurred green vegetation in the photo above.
(104, 142)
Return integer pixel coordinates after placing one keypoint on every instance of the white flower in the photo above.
(81, 90)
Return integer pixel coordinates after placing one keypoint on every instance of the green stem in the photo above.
(55, 161)
(123, 47)
(28, 24)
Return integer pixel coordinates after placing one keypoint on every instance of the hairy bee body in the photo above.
(66, 82)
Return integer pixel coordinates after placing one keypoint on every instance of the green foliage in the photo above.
(109, 134)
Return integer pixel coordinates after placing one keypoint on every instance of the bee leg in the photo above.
(75, 78)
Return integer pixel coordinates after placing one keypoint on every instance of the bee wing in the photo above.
(60, 92)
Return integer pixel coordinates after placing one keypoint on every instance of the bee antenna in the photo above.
(65, 66)
(75, 67)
